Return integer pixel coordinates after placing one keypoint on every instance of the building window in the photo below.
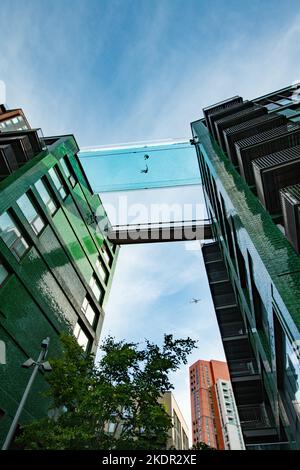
(88, 311)
(46, 196)
(106, 254)
(33, 218)
(287, 367)
(260, 311)
(12, 236)
(58, 182)
(14, 124)
(81, 337)
(68, 171)
(272, 106)
(4, 274)
(240, 259)
(228, 231)
(96, 288)
(101, 270)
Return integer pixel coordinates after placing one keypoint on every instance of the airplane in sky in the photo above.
(195, 301)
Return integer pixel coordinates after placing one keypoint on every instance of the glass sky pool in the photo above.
(141, 167)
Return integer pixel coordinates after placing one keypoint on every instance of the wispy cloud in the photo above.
(113, 71)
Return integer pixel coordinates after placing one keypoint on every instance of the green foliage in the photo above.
(202, 446)
(123, 388)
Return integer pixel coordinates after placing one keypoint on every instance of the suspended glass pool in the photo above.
(141, 167)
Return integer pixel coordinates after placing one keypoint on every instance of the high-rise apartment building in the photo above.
(213, 406)
(56, 265)
(249, 158)
(229, 418)
(12, 120)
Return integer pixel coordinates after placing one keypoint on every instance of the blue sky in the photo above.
(132, 70)
(119, 70)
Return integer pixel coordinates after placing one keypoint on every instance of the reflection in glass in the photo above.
(67, 171)
(3, 273)
(284, 101)
(106, 255)
(271, 106)
(12, 236)
(46, 197)
(58, 182)
(96, 288)
(29, 211)
(101, 269)
(88, 311)
(81, 337)
(292, 376)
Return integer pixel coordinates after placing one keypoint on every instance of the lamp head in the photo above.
(45, 343)
(28, 363)
(46, 367)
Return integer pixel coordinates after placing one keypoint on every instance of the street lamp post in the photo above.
(39, 364)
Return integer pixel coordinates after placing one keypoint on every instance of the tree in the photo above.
(123, 389)
(200, 445)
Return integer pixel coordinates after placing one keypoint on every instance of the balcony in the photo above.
(253, 417)
(236, 118)
(222, 294)
(243, 367)
(211, 253)
(272, 173)
(269, 446)
(262, 144)
(249, 128)
(17, 148)
(233, 329)
(21, 147)
(216, 272)
(34, 136)
(258, 430)
(8, 162)
(222, 105)
(229, 111)
(228, 315)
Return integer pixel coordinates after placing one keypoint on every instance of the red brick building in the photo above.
(206, 421)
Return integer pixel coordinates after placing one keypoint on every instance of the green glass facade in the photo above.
(253, 272)
(56, 267)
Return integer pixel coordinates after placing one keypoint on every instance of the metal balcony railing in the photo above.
(223, 300)
(242, 367)
(253, 417)
(269, 446)
(232, 329)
